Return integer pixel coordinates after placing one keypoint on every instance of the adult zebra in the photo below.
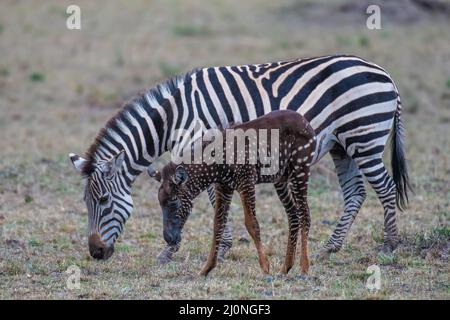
(352, 104)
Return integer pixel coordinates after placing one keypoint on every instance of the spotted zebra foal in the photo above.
(290, 145)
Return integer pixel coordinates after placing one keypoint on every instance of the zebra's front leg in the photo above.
(227, 237)
(354, 193)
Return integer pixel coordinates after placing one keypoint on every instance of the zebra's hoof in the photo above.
(389, 247)
(322, 255)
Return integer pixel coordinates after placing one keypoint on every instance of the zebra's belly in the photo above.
(325, 141)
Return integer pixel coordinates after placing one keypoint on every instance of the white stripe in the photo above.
(215, 100)
(248, 101)
(229, 96)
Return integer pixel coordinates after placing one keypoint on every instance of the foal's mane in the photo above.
(147, 99)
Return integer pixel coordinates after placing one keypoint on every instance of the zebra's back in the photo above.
(339, 95)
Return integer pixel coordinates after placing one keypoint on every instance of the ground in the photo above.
(58, 87)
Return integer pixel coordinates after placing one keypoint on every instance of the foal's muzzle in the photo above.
(98, 249)
(172, 237)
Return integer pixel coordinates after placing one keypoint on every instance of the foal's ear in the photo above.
(77, 161)
(181, 175)
(114, 164)
(152, 172)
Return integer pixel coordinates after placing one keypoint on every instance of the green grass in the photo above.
(187, 30)
(36, 77)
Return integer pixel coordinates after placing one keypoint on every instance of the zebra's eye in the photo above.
(103, 199)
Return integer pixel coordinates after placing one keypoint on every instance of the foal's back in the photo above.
(287, 121)
(292, 147)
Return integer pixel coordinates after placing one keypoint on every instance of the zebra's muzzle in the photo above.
(98, 249)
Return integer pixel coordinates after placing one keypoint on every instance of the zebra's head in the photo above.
(175, 203)
(108, 200)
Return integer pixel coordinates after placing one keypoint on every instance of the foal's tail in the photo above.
(398, 160)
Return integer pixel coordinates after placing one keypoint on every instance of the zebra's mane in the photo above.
(150, 96)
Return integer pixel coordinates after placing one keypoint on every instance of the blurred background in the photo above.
(58, 87)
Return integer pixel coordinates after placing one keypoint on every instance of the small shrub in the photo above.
(387, 259)
(36, 77)
(190, 30)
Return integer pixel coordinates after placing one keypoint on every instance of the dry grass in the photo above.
(58, 87)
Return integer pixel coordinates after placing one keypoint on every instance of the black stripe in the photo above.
(252, 89)
(202, 87)
(365, 137)
(364, 121)
(187, 97)
(220, 94)
(234, 88)
(368, 152)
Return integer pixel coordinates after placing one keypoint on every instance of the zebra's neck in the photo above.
(142, 128)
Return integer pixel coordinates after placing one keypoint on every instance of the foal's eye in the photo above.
(103, 199)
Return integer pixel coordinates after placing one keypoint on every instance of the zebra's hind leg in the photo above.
(374, 170)
(353, 190)
(227, 237)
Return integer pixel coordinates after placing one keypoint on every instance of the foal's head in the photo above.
(173, 199)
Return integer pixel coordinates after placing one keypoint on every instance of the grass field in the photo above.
(58, 87)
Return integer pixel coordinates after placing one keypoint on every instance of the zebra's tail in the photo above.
(398, 160)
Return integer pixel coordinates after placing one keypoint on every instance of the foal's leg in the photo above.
(227, 237)
(299, 191)
(286, 198)
(223, 199)
(247, 193)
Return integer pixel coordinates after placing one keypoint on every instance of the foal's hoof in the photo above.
(164, 260)
(164, 257)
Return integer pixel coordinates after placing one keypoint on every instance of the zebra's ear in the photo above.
(152, 172)
(181, 175)
(114, 164)
(77, 161)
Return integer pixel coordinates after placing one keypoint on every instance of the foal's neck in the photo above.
(201, 176)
